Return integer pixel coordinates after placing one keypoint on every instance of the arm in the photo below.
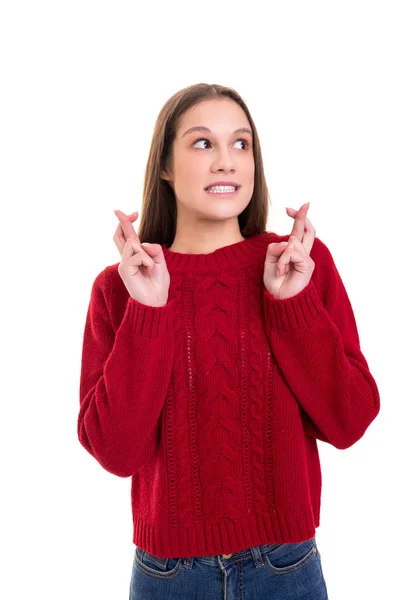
(314, 338)
(124, 380)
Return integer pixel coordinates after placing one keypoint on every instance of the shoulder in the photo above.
(110, 294)
(111, 273)
(109, 284)
(107, 276)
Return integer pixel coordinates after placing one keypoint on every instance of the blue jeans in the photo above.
(268, 572)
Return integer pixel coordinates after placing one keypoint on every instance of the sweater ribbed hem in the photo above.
(151, 321)
(224, 537)
(144, 320)
(300, 310)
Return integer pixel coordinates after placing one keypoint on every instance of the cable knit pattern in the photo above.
(185, 447)
(216, 379)
(258, 356)
(213, 403)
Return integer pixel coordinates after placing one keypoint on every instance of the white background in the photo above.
(81, 86)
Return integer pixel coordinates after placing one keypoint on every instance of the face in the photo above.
(202, 157)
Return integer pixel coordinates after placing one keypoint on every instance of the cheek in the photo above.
(249, 181)
(189, 170)
(248, 169)
(251, 165)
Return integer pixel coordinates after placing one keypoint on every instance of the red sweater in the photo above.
(213, 403)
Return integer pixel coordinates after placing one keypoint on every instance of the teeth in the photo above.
(221, 188)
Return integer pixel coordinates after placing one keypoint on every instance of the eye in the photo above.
(246, 143)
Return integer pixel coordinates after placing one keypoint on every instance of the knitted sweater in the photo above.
(213, 403)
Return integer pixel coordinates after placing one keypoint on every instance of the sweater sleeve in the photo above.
(124, 380)
(315, 341)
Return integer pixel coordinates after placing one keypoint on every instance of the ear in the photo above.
(165, 175)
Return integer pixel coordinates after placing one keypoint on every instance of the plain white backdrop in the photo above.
(81, 86)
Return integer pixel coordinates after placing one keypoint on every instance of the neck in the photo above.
(189, 243)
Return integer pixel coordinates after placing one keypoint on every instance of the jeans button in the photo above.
(227, 555)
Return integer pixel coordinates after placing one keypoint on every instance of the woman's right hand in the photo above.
(143, 268)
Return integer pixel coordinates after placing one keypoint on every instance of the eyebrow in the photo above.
(202, 128)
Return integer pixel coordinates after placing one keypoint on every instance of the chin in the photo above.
(220, 214)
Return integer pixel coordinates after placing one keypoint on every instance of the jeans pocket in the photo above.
(286, 558)
(156, 566)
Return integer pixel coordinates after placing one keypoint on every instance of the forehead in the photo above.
(221, 115)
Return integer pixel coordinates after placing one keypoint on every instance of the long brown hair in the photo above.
(159, 212)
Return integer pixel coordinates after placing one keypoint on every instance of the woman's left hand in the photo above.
(288, 266)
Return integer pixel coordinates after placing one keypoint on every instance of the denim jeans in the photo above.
(267, 572)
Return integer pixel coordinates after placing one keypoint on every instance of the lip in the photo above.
(237, 185)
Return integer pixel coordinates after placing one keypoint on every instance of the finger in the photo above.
(289, 255)
(127, 227)
(155, 251)
(310, 231)
(126, 223)
(138, 260)
(293, 244)
(275, 250)
(119, 239)
(131, 215)
(119, 232)
(299, 222)
(141, 259)
(132, 250)
(293, 212)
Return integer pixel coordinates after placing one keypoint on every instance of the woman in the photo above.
(215, 354)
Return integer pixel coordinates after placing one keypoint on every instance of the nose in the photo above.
(223, 161)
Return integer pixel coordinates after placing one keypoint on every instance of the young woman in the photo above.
(215, 355)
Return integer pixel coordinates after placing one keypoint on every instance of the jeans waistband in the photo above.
(254, 551)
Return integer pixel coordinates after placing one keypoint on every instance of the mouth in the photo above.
(221, 191)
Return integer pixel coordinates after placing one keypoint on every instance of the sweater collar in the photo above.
(232, 256)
